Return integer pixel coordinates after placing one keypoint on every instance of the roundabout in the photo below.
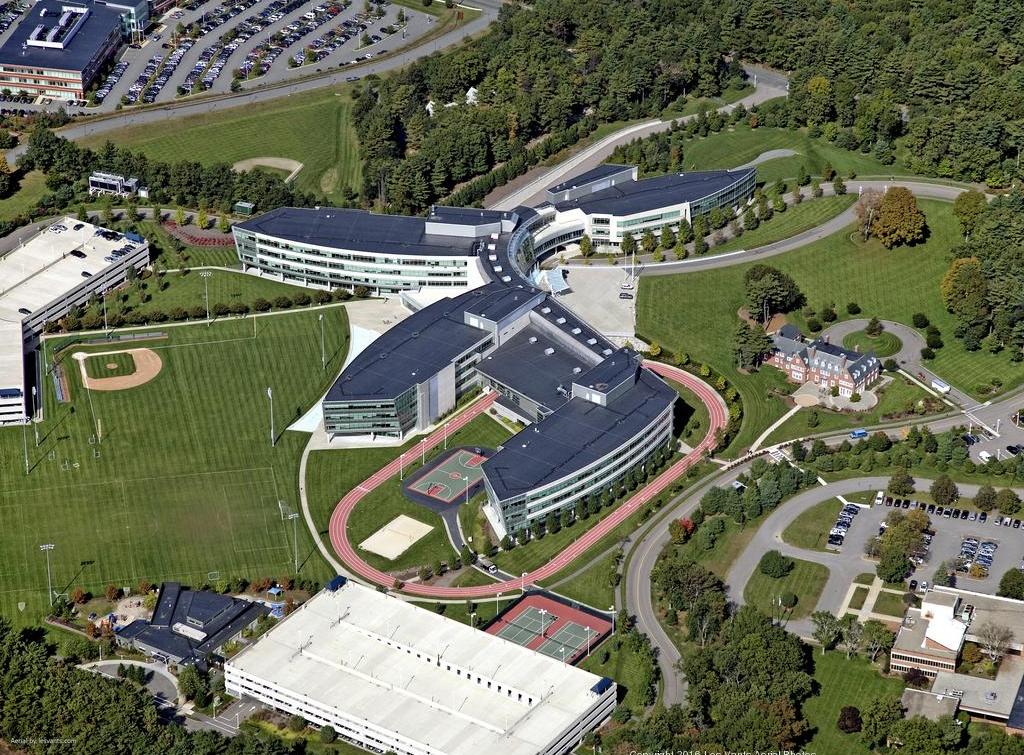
(338, 528)
(885, 344)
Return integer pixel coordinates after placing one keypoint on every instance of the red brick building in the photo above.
(822, 363)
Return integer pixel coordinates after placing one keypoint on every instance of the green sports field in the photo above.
(696, 312)
(314, 128)
(183, 482)
(110, 365)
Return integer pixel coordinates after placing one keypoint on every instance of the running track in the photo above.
(339, 519)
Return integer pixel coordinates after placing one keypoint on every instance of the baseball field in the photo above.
(175, 478)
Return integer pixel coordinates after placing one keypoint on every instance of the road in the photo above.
(768, 86)
(398, 59)
(338, 528)
(160, 683)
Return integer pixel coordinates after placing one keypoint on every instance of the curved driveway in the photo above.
(912, 341)
(349, 556)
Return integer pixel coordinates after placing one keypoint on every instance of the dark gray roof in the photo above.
(589, 176)
(494, 303)
(219, 617)
(468, 215)
(820, 353)
(418, 347)
(610, 372)
(630, 197)
(577, 434)
(80, 51)
(359, 230)
(522, 364)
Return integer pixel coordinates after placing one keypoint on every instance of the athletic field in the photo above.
(173, 479)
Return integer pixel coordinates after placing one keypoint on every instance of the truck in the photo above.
(940, 387)
(487, 564)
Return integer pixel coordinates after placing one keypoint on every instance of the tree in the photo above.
(920, 320)
(901, 484)
(668, 239)
(827, 629)
(899, 220)
(202, 220)
(877, 719)
(769, 290)
(1007, 502)
(773, 564)
(1012, 585)
(853, 635)
(6, 178)
(750, 345)
(191, 683)
(224, 223)
(647, 242)
(838, 186)
(969, 208)
(867, 208)
(944, 490)
(986, 498)
(179, 216)
(877, 638)
(874, 327)
(328, 734)
(586, 246)
(893, 566)
(628, 245)
(849, 720)
(994, 639)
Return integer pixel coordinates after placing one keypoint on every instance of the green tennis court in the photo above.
(452, 477)
(571, 638)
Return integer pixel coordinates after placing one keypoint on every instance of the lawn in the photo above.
(694, 105)
(795, 220)
(901, 398)
(591, 586)
(810, 529)
(843, 682)
(885, 344)
(110, 365)
(860, 594)
(890, 603)
(314, 128)
(471, 577)
(840, 269)
(30, 189)
(728, 149)
(331, 474)
(697, 423)
(806, 581)
(185, 483)
(728, 546)
(866, 578)
(623, 667)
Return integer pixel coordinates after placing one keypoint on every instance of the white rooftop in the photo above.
(39, 271)
(379, 658)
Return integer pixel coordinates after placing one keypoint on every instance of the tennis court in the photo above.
(552, 628)
(452, 477)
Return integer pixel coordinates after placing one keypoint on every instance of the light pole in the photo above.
(472, 620)
(496, 602)
(465, 479)
(35, 415)
(49, 584)
(612, 609)
(401, 466)
(323, 354)
(270, 395)
(543, 613)
(446, 436)
(423, 451)
(522, 583)
(563, 653)
(295, 539)
(205, 275)
(24, 440)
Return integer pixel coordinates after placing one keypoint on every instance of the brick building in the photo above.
(822, 363)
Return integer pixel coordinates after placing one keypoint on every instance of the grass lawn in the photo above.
(623, 666)
(592, 586)
(890, 603)
(702, 314)
(860, 594)
(843, 682)
(185, 482)
(471, 577)
(884, 344)
(29, 191)
(314, 128)
(331, 474)
(810, 529)
(728, 546)
(866, 578)
(698, 422)
(694, 105)
(796, 219)
(110, 365)
(727, 149)
(806, 581)
(901, 398)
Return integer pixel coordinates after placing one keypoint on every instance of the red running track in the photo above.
(339, 519)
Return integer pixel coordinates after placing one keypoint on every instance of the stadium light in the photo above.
(522, 583)
(465, 479)
(588, 642)
(295, 537)
(323, 354)
(270, 395)
(446, 436)
(46, 548)
(496, 602)
(612, 609)
(543, 613)
(205, 275)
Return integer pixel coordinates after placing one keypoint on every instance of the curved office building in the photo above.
(591, 412)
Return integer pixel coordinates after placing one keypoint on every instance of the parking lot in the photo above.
(991, 544)
(205, 46)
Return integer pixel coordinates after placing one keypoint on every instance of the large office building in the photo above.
(59, 48)
(593, 413)
(60, 268)
(393, 677)
(330, 248)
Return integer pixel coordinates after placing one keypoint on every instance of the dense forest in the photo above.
(944, 77)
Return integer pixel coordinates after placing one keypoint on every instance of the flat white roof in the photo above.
(38, 272)
(377, 658)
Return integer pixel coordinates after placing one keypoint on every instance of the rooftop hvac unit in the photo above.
(545, 310)
(560, 321)
(576, 331)
(549, 351)
(577, 370)
(592, 341)
(607, 352)
(533, 339)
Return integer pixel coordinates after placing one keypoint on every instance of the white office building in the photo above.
(390, 676)
(41, 280)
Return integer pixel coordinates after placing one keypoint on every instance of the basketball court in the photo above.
(448, 480)
(552, 628)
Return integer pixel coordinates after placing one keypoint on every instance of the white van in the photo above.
(985, 457)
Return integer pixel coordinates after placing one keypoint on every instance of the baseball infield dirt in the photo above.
(147, 366)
